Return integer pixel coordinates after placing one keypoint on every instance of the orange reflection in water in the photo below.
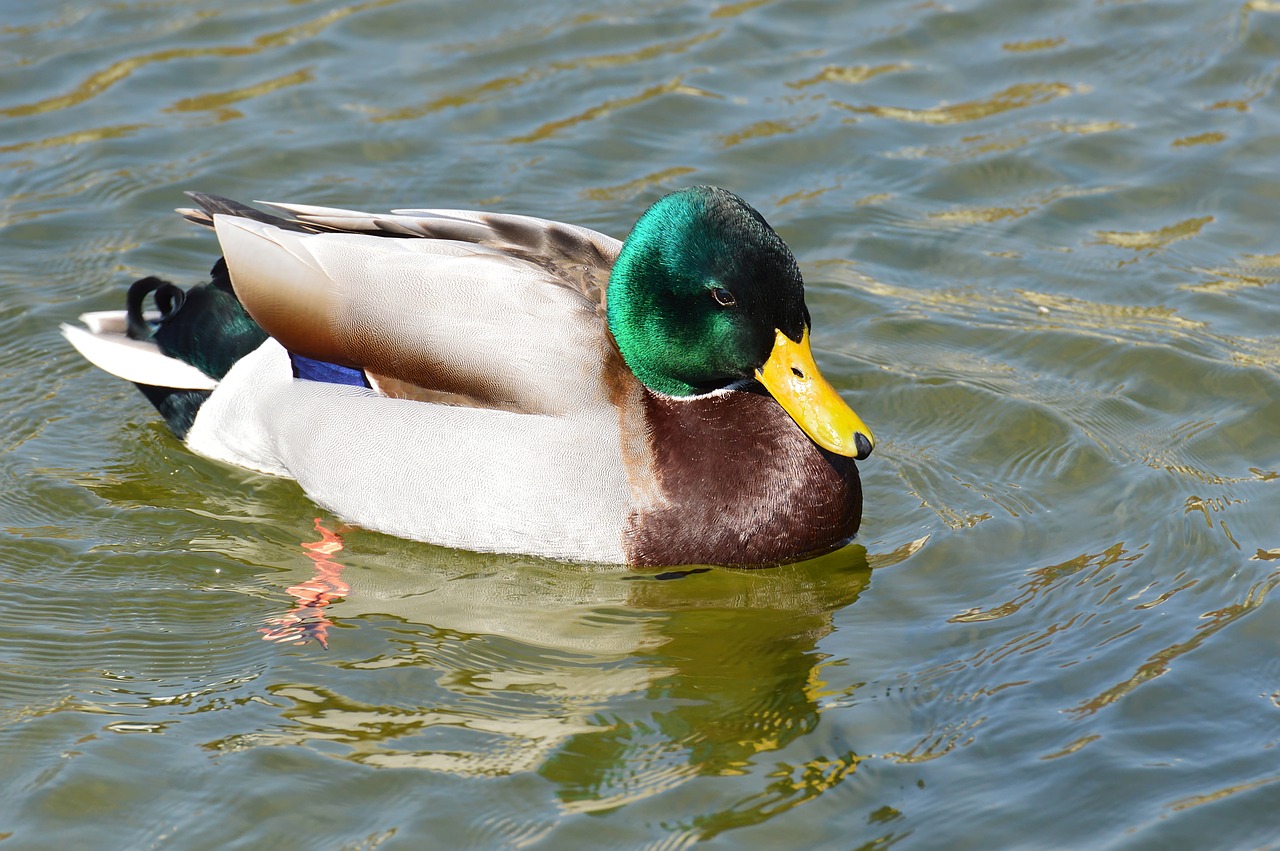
(306, 620)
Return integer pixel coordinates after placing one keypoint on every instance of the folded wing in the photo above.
(495, 311)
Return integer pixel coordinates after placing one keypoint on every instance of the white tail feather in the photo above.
(112, 321)
(133, 360)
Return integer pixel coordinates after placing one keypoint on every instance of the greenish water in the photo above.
(1041, 251)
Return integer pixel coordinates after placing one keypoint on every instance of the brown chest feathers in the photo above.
(736, 482)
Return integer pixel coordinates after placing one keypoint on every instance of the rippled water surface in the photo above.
(1042, 255)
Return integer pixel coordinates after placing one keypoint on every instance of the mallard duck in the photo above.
(504, 383)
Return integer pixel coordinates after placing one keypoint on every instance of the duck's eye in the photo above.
(723, 297)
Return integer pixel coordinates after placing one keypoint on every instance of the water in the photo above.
(1041, 256)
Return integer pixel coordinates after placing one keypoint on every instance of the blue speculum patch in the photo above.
(310, 369)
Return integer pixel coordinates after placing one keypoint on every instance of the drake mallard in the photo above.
(509, 384)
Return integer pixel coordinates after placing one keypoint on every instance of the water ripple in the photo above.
(1019, 96)
(1038, 259)
(120, 70)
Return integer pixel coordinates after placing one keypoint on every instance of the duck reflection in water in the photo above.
(612, 685)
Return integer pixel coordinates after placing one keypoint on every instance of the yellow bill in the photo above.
(792, 377)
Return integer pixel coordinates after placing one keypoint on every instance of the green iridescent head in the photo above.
(699, 289)
(705, 294)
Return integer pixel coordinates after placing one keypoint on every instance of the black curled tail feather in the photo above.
(168, 298)
(205, 326)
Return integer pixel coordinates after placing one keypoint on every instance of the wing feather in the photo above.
(572, 255)
(488, 319)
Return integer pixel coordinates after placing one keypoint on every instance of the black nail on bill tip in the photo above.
(863, 445)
